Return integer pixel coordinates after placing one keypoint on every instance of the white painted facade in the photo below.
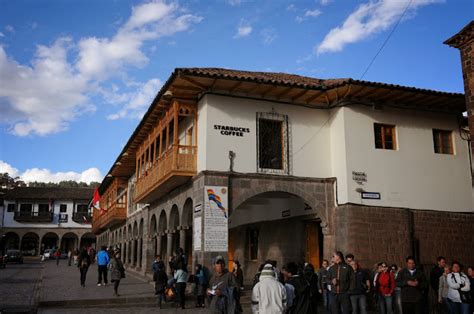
(335, 143)
(10, 222)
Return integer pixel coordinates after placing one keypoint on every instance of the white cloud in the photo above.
(325, 2)
(291, 8)
(269, 35)
(308, 14)
(10, 29)
(368, 19)
(137, 102)
(45, 175)
(44, 95)
(234, 2)
(243, 30)
(2, 35)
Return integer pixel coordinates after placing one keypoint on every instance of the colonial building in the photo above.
(35, 219)
(259, 165)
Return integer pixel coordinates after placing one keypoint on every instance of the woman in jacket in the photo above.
(384, 287)
(458, 283)
(181, 278)
(83, 263)
(200, 281)
(117, 272)
(443, 287)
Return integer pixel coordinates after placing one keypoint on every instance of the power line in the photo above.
(386, 40)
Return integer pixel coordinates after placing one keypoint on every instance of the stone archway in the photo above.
(88, 240)
(10, 241)
(30, 244)
(140, 243)
(162, 237)
(49, 241)
(153, 234)
(186, 232)
(173, 234)
(69, 241)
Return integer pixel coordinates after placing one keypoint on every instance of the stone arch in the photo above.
(187, 216)
(30, 244)
(11, 241)
(69, 241)
(153, 226)
(174, 218)
(162, 222)
(49, 240)
(88, 239)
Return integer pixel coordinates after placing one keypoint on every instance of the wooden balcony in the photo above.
(33, 216)
(173, 168)
(114, 215)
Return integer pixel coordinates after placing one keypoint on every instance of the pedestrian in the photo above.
(384, 287)
(359, 290)
(239, 280)
(412, 282)
(181, 277)
(435, 274)
(443, 289)
(200, 285)
(312, 278)
(156, 263)
(268, 295)
(301, 302)
(57, 254)
(341, 277)
(459, 290)
(69, 257)
(221, 289)
(397, 292)
(470, 274)
(117, 271)
(102, 263)
(256, 277)
(324, 285)
(83, 263)
(161, 279)
(349, 258)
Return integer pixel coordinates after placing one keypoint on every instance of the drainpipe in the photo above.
(414, 247)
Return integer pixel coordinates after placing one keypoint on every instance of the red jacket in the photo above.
(385, 283)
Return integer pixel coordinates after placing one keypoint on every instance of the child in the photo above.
(161, 279)
(200, 281)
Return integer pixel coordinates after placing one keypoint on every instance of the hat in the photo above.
(267, 271)
(219, 260)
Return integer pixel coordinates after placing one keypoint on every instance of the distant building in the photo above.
(35, 219)
(259, 165)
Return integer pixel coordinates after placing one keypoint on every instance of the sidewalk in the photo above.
(61, 287)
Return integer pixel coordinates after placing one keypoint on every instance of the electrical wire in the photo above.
(386, 40)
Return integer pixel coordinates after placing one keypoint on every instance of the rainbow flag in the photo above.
(216, 199)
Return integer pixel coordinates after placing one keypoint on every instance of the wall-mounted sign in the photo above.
(359, 177)
(216, 214)
(231, 130)
(197, 233)
(286, 213)
(370, 195)
(197, 209)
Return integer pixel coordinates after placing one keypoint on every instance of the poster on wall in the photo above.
(216, 215)
(197, 233)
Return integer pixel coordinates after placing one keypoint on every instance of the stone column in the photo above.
(158, 244)
(182, 238)
(169, 244)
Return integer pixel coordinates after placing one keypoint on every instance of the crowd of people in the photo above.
(340, 285)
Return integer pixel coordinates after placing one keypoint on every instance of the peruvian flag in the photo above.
(85, 219)
(96, 200)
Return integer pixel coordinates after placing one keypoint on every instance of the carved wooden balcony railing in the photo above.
(33, 216)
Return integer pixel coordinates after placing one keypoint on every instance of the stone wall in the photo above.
(375, 234)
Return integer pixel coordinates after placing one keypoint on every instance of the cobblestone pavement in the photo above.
(19, 284)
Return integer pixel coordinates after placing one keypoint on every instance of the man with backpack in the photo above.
(103, 260)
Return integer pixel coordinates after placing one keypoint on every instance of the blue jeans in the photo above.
(458, 308)
(327, 301)
(359, 303)
(385, 304)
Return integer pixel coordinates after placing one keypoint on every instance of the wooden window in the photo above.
(443, 142)
(82, 208)
(11, 208)
(62, 208)
(26, 208)
(271, 145)
(385, 137)
(253, 243)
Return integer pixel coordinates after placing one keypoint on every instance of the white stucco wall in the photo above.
(413, 175)
(10, 222)
(309, 143)
(335, 143)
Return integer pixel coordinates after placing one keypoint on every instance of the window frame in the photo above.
(285, 137)
(61, 206)
(10, 206)
(439, 133)
(384, 126)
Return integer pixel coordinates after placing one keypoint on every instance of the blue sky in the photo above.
(76, 76)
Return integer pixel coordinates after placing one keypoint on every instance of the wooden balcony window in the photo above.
(25, 216)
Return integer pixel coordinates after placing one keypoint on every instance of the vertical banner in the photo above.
(197, 233)
(216, 216)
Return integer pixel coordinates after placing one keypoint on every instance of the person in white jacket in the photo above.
(268, 295)
(457, 281)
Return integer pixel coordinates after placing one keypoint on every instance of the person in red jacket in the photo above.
(384, 287)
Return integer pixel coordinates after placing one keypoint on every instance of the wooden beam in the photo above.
(285, 91)
(300, 94)
(267, 91)
(193, 82)
(235, 86)
(360, 91)
(183, 87)
(311, 98)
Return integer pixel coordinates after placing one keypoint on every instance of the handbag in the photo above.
(169, 293)
(465, 296)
